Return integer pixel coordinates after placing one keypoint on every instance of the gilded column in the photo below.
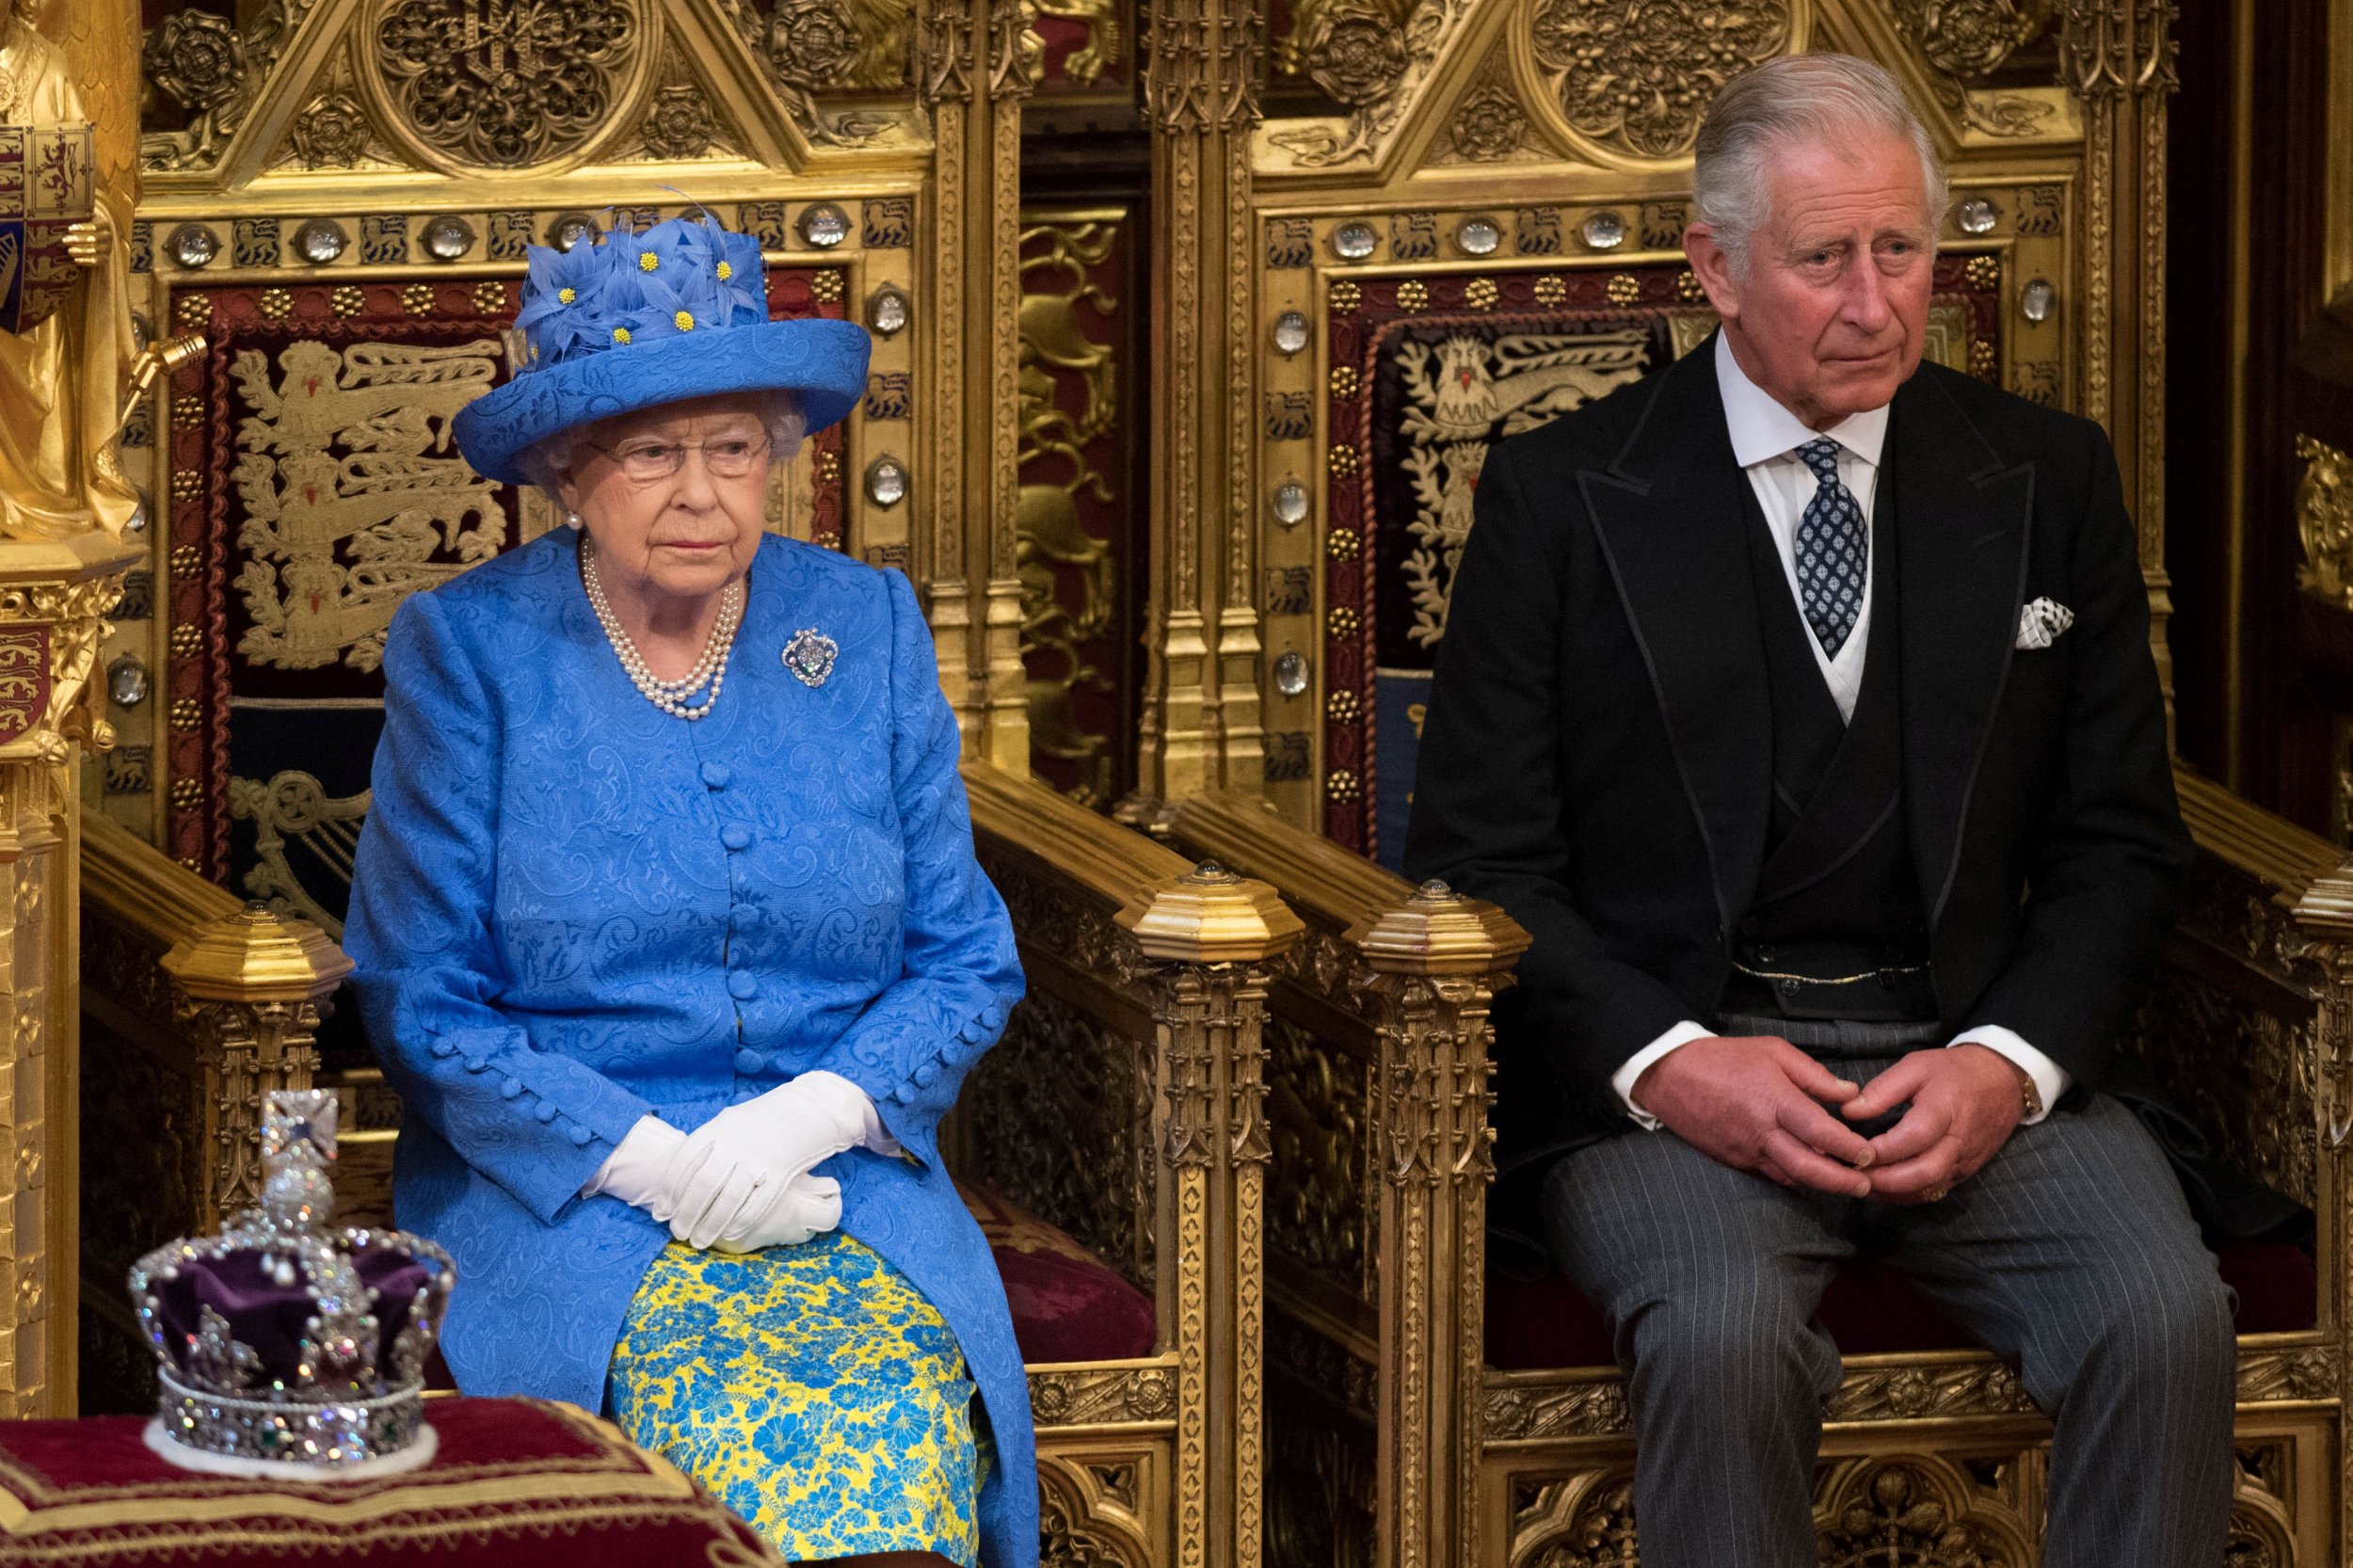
(1209, 1016)
(2117, 56)
(981, 58)
(67, 75)
(1434, 966)
(2324, 926)
(1016, 59)
(252, 988)
(958, 348)
(1201, 727)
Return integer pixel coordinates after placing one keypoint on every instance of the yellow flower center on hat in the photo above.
(648, 261)
(684, 321)
(565, 297)
(620, 334)
(726, 272)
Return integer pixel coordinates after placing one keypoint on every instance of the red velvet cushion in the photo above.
(1068, 1304)
(517, 1483)
(1870, 1308)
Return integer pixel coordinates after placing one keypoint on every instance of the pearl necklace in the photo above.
(668, 695)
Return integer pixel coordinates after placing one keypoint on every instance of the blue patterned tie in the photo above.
(1834, 550)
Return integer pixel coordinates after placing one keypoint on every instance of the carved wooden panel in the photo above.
(2236, 972)
(1318, 1207)
(1101, 1504)
(1058, 1083)
(1079, 549)
(1320, 1483)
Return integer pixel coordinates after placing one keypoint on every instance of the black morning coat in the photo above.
(1597, 757)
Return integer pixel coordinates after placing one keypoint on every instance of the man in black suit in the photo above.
(1798, 700)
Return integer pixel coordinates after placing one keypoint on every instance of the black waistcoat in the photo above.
(1837, 884)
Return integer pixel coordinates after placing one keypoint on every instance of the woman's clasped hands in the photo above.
(742, 1182)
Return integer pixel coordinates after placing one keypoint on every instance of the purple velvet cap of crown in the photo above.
(636, 321)
(271, 1318)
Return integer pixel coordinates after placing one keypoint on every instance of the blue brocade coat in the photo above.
(572, 909)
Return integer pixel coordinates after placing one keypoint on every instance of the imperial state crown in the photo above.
(283, 1344)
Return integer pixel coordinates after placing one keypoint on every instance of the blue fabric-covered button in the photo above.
(992, 1017)
(475, 1064)
(736, 836)
(749, 1061)
(904, 1093)
(511, 1088)
(926, 1072)
(715, 774)
(742, 985)
(545, 1111)
(580, 1134)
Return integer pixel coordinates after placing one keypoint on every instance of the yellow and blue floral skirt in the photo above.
(811, 1389)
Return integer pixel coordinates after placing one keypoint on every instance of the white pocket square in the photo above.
(2041, 623)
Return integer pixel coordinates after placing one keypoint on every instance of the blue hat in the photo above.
(639, 320)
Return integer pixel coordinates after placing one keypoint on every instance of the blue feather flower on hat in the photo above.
(636, 321)
(559, 293)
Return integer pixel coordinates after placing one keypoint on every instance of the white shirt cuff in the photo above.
(1626, 1077)
(2051, 1080)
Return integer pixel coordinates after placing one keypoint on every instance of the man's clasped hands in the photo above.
(1758, 1103)
(742, 1180)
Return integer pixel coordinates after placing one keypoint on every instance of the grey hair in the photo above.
(1797, 98)
(545, 462)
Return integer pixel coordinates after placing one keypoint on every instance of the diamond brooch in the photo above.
(809, 656)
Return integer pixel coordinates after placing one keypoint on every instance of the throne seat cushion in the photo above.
(1068, 1304)
(1869, 1309)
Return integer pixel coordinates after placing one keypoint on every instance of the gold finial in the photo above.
(257, 956)
(1438, 932)
(1211, 916)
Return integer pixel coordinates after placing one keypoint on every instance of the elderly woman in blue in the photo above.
(670, 935)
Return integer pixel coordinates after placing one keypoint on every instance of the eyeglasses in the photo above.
(730, 458)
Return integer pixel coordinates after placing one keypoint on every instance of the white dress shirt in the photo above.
(1765, 438)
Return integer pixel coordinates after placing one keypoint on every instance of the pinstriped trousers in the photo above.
(2072, 1254)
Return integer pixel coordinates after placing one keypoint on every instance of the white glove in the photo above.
(633, 1171)
(730, 1182)
(805, 1206)
(639, 1172)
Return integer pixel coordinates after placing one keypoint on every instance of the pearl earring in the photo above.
(572, 519)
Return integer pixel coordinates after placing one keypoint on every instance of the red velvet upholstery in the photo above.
(517, 1483)
(1068, 1304)
(1870, 1308)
